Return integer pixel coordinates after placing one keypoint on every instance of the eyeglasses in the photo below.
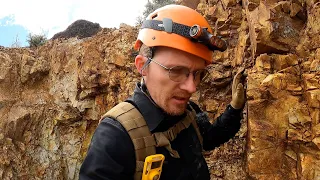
(180, 73)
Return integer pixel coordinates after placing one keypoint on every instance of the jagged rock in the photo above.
(272, 29)
(311, 81)
(309, 166)
(52, 97)
(80, 28)
(5, 66)
(275, 62)
(32, 68)
(253, 86)
(315, 66)
(212, 106)
(316, 130)
(189, 3)
(313, 98)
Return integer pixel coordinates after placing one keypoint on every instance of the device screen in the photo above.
(155, 164)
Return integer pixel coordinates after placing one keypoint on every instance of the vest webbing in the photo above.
(143, 141)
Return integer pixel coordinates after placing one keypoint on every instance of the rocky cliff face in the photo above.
(51, 98)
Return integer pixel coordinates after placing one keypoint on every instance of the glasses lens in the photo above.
(178, 73)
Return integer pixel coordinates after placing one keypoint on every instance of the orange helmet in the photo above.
(171, 26)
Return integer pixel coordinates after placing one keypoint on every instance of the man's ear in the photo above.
(139, 62)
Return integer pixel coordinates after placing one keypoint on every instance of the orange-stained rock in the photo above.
(212, 105)
(311, 81)
(254, 81)
(266, 161)
(281, 62)
(315, 65)
(315, 116)
(274, 125)
(316, 141)
(32, 68)
(263, 63)
(275, 62)
(316, 130)
(313, 98)
(274, 83)
(5, 65)
(309, 165)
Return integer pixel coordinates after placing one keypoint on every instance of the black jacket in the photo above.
(111, 154)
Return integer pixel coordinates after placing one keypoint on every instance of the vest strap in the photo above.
(143, 141)
(132, 120)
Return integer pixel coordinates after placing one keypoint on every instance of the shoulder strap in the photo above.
(193, 115)
(134, 123)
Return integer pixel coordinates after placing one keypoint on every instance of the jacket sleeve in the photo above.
(224, 128)
(110, 155)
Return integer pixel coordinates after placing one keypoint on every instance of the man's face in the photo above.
(169, 95)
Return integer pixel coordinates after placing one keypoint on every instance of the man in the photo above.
(172, 64)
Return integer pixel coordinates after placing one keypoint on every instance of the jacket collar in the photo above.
(153, 115)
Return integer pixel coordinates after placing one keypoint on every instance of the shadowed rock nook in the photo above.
(52, 97)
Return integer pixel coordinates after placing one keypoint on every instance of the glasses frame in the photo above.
(187, 75)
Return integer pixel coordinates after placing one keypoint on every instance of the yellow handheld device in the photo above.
(152, 167)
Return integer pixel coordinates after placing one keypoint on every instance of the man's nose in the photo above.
(189, 84)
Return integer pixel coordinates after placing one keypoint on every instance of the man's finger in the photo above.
(240, 87)
(237, 79)
(240, 90)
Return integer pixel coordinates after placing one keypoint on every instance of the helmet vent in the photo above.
(154, 16)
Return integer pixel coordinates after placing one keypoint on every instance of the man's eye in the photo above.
(179, 70)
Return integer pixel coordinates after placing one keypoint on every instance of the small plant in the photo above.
(36, 40)
(16, 43)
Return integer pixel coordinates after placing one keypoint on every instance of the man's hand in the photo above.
(238, 97)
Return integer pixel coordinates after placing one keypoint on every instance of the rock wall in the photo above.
(51, 98)
(278, 43)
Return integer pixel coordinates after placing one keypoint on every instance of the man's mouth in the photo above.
(181, 99)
